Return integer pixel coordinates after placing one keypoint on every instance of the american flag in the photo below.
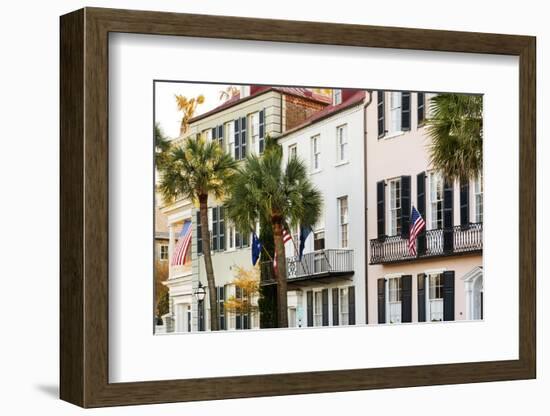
(286, 238)
(184, 242)
(417, 224)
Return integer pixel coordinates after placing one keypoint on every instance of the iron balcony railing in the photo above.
(439, 242)
(315, 264)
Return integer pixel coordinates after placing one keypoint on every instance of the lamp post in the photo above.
(200, 293)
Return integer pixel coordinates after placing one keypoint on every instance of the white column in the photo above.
(171, 241)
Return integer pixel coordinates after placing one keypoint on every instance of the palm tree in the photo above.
(188, 106)
(263, 190)
(456, 130)
(162, 145)
(194, 171)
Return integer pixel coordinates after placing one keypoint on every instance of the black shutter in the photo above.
(238, 240)
(421, 207)
(382, 301)
(261, 143)
(420, 109)
(421, 289)
(221, 229)
(324, 296)
(309, 301)
(381, 115)
(201, 315)
(405, 205)
(199, 233)
(215, 228)
(237, 139)
(381, 208)
(214, 134)
(243, 137)
(464, 202)
(448, 216)
(449, 296)
(335, 311)
(239, 317)
(405, 111)
(406, 298)
(351, 305)
(220, 136)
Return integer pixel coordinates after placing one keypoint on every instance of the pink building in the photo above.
(444, 281)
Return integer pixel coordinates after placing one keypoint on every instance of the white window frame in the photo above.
(394, 206)
(208, 134)
(316, 153)
(342, 143)
(254, 121)
(343, 313)
(394, 299)
(434, 300)
(396, 100)
(230, 134)
(317, 308)
(161, 247)
(478, 198)
(336, 96)
(435, 180)
(343, 222)
(292, 151)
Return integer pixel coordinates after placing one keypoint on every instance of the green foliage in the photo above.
(162, 145)
(456, 130)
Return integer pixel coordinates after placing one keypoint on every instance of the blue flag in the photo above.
(304, 234)
(256, 248)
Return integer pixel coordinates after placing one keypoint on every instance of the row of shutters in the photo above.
(405, 111)
(218, 232)
(335, 307)
(242, 321)
(448, 193)
(406, 297)
(240, 135)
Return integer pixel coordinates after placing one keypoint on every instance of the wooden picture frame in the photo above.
(84, 207)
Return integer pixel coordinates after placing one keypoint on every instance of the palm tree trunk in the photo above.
(203, 206)
(280, 275)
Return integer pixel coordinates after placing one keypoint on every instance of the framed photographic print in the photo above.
(257, 207)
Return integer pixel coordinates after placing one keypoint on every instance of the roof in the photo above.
(352, 98)
(257, 90)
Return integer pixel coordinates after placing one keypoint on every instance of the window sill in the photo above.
(314, 172)
(392, 135)
(341, 163)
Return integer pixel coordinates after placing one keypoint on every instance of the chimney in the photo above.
(244, 91)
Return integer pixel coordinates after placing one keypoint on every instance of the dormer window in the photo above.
(336, 97)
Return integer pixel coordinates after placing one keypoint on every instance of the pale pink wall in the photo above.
(407, 154)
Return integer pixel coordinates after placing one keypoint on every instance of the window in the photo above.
(336, 97)
(435, 203)
(395, 112)
(163, 252)
(319, 240)
(255, 131)
(478, 196)
(395, 206)
(220, 291)
(421, 108)
(317, 308)
(242, 319)
(435, 297)
(344, 306)
(342, 143)
(315, 153)
(230, 134)
(394, 299)
(343, 220)
(217, 228)
(292, 151)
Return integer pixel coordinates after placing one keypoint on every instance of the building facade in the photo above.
(444, 281)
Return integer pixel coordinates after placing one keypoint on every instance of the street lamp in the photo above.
(200, 292)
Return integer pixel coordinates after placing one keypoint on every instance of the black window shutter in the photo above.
(421, 207)
(199, 233)
(381, 207)
(405, 205)
(420, 109)
(449, 296)
(237, 139)
(335, 311)
(381, 300)
(464, 202)
(405, 111)
(215, 228)
(448, 216)
(381, 115)
(201, 316)
(243, 137)
(351, 304)
(309, 301)
(421, 289)
(214, 134)
(220, 135)
(406, 298)
(324, 296)
(261, 143)
(221, 229)
(239, 317)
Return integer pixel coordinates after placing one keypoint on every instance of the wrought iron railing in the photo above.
(313, 264)
(439, 242)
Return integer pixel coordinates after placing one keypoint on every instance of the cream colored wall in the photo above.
(407, 154)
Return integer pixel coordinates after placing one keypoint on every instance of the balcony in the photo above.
(435, 243)
(315, 266)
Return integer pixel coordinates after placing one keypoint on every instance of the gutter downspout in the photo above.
(365, 105)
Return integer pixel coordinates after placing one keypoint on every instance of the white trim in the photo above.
(470, 279)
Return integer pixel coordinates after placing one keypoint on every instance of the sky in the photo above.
(166, 113)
